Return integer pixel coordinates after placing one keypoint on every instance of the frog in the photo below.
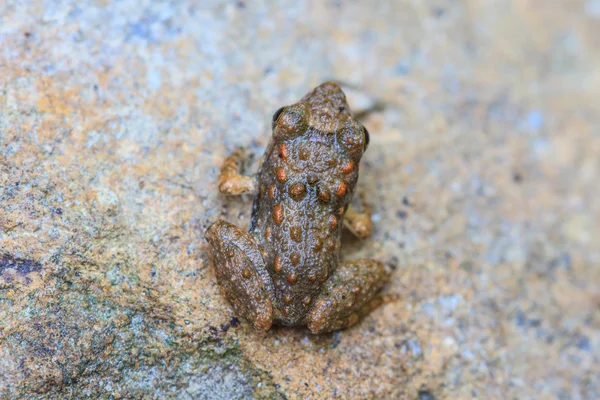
(286, 270)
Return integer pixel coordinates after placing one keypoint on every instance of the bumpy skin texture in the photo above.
(287, 268)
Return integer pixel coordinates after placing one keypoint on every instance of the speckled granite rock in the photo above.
(483, 170)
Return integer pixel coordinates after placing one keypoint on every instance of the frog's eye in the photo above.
(290, 122)
(367, 139)
(351, 139)
(277, 114)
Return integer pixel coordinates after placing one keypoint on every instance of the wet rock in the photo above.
(482, 171)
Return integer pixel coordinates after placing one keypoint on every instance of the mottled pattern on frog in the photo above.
(304, 188)
(306, 184)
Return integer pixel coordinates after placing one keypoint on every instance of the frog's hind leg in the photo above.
(347, 295)
(231, 181)
(241, 273)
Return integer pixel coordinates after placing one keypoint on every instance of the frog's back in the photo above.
(305, 184)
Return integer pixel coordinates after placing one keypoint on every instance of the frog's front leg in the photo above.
(359, 222)
(231, 181)
(347, 295)
(241, 273)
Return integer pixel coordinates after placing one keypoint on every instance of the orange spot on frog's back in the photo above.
(278, 214)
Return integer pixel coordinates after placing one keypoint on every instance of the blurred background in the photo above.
(483, 172)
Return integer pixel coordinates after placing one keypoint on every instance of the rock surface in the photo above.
(483, 170)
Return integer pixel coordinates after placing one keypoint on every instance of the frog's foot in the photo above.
(347, 295)
(241, 273)
(231, 182)
(359, 222)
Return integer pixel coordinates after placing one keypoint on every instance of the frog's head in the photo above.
(325, 115)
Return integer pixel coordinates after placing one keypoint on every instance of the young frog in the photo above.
(286, 269)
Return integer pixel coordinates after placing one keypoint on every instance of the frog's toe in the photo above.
(238, 266)
(347, 295)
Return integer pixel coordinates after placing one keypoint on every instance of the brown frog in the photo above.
(286, 269)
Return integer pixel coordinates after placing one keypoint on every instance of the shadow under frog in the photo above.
(286, 270)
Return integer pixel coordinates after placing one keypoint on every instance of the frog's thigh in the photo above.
(231, 181)
(347, 295)
(241, 273)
